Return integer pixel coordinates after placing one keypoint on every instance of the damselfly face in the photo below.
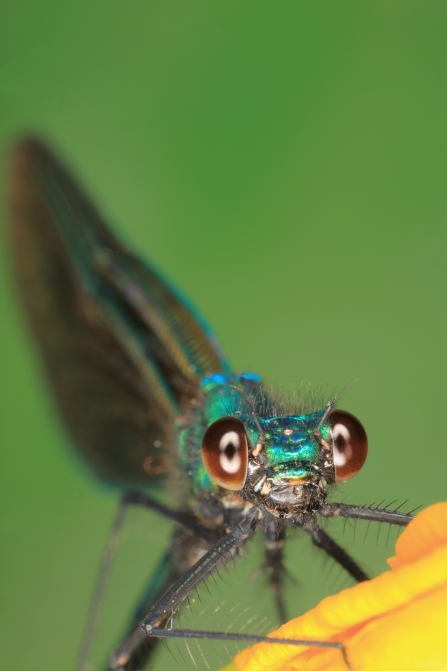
(295, 458)
(282, 464)
(148, 397)
(287, 459)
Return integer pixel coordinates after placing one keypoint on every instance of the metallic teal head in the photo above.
(282, 462)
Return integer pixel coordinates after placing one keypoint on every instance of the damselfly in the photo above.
(149, 397)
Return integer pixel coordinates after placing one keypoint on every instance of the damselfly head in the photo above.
(285, 462)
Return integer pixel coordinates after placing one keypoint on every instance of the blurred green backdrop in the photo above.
(285, 163)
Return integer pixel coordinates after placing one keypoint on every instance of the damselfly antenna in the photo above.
(330, 405)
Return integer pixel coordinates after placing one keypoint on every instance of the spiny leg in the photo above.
(322, 540)
(370, 513)
(165, 575)
(221, 551)
(142, 646)
(274, 539)
(155, 621)
(182, 553)
(160, 612)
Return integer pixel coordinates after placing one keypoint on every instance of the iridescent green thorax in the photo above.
(289, 443)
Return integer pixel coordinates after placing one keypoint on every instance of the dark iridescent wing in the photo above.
(123, 351)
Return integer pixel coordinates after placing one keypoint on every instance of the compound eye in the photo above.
(350, 444)
(225, 452)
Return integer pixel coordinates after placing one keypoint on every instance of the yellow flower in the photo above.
(395, 621)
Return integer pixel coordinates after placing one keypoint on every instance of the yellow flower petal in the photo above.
(426, 533)
(396, 621)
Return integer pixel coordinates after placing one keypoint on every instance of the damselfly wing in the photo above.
(149, 397)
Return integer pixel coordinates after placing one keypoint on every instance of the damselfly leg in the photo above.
(177, 576)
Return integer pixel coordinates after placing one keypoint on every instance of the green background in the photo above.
(285, 163)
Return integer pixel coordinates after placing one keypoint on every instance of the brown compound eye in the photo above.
(350, 444)
(225, 452)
